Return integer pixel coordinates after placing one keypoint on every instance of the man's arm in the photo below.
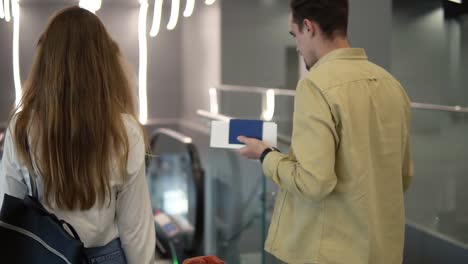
(314, 141)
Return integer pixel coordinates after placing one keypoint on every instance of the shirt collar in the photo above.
(342, 54)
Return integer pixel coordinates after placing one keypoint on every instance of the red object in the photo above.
(204, 260)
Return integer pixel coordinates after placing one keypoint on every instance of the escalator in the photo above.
(176, 184)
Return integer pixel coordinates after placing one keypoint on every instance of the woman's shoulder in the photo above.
(136, 144)
(10, 124)
(135, 132)
(133, 126)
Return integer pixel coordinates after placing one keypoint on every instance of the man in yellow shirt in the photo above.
(342, 183)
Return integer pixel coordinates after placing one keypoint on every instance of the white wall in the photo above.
(255, 35)
(7, 88)
(201, 49)
(430, 53)
(370, 27)
(255, 38)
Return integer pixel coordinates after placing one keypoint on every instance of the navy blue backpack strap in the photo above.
(34, 203)
(70, 227)
(25, 226)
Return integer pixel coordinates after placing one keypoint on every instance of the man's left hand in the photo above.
(253, 147)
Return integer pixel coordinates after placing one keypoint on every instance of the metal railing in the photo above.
(292, 93)
(282, 92)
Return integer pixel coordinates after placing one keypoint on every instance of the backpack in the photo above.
(29, 234)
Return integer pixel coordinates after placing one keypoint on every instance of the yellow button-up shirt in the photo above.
(342, 184)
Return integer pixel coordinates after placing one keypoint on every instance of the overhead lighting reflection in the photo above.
(16, 69)
(2, 12)
(175, 202)
(214, 108)
(270, 105)
(6, 4)
(143, 64)
(209, 2)
(158, 4)
(174, 15)
(91, 5)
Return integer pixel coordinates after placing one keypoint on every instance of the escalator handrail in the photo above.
(198, 178)
(171, 133)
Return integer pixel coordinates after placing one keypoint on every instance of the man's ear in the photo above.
(309, 27)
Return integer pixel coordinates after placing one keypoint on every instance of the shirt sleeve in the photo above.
(309, 169)
(134, 216)
(11, 177)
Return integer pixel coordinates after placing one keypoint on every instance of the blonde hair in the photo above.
(72, 105)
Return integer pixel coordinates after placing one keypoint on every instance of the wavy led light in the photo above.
(189, 8)
(2, 12)
(16, 68)
(6, 5)
(143, 64)
(174, 15)
(156, 18)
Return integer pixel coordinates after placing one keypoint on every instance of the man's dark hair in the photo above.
(331, 15)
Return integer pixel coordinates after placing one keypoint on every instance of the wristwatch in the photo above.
(266, 151)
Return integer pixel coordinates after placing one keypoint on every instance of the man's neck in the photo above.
(334, 44)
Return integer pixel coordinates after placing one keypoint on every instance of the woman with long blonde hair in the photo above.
(77, 122)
